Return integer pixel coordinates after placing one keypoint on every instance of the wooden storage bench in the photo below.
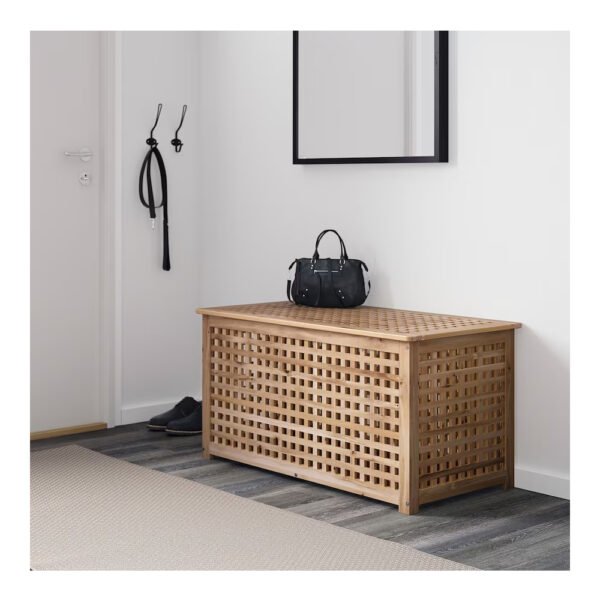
(401, 406)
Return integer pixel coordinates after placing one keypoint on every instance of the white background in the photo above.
(228, 14)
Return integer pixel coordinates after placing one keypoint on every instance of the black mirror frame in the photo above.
(440, 107)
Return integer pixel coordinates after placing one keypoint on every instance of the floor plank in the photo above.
(489, 529)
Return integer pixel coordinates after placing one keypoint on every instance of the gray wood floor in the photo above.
(490, 529)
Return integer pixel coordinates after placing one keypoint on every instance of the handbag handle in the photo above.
(343, 253)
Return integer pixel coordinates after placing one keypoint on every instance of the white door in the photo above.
(65, 236)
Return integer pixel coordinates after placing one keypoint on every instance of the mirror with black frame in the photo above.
(370, 96)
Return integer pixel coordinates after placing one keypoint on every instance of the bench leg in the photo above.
(408, 507)
(205, 453)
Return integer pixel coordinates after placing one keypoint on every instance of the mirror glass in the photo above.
(365, 94)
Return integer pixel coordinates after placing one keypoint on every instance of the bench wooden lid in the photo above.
(372, 321)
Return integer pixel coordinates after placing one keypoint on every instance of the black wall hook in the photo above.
(176, 141)
(151, 141)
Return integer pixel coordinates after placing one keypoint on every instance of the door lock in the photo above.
(84, 178)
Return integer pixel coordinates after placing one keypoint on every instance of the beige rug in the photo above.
(90, 511)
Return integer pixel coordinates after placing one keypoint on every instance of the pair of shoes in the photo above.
(185, 418)
(190, 425)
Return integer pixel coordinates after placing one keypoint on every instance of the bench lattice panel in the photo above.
(462, 410)
(327, 407)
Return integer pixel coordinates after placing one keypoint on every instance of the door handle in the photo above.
(84, 154)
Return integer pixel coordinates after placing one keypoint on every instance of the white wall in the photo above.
(485, 235)
(161, 341)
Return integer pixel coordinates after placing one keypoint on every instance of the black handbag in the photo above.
(329, 282)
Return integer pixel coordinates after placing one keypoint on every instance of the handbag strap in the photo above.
(343, 252)
(289, 281)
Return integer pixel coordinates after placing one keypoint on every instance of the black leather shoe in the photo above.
(182, 409)
(190, 425)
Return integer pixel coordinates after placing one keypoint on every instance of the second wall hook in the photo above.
(176, 141)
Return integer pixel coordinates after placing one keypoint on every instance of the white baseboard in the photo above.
(542, 483)
(139, 413)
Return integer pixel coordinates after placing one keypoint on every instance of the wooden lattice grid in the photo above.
(373, 321)
(464, 411)
(315, 406)
(403, 422)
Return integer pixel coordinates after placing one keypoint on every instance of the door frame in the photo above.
(111, 375)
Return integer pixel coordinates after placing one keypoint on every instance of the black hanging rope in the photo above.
(146, 173)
